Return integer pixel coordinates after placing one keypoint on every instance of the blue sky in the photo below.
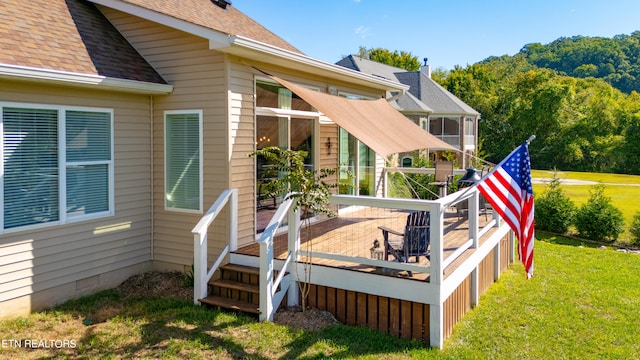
(448, 32)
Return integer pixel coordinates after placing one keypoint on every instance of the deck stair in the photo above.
(237, 288)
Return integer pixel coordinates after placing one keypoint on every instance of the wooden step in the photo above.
(231, 304)
(241, 269)
(231, 284)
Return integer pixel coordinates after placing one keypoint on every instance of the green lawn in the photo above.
(582, 303)
(622, 196)
(597, 177)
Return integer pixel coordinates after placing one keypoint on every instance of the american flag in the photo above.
(508, 189)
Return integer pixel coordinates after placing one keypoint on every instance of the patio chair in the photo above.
(462, 209)
(414, 241)
(443, 176)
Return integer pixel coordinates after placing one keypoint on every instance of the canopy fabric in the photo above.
(374, 122)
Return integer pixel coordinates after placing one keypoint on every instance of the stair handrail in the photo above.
(270, 296)
(200, 242)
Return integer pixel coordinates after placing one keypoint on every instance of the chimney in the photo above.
(426, 69)
(222, 3)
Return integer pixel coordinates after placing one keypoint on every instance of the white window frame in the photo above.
(62, 166)
(200, 165)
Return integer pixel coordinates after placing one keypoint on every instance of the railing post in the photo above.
(233, 220)
(199, 266)
(436, 315)
(293, 238)
(474, 212)
(266, 280)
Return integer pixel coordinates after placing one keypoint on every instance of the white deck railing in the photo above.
(272, 290)
(201, 275)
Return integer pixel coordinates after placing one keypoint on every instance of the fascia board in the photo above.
(85, 80)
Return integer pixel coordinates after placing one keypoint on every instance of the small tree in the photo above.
(598, 219)
(635, 229)
(555, 212)
(309, 189)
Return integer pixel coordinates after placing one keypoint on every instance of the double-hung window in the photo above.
(57, 164)
(183, 160)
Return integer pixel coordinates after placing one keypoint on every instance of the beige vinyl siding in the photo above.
(329, 161)
(242, 140)
(53, 258)
(200, 83)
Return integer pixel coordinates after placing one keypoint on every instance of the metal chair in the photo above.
(443, 176)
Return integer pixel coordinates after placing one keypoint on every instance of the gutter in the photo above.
(14, 72)
(242, 46)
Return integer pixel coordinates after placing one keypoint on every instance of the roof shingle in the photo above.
(230, 21)
(69, 36)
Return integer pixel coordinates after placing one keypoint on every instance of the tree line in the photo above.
(581, 123)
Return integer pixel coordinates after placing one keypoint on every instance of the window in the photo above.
(446, 128)
(271, 95)
(57, 164)
(183, 165)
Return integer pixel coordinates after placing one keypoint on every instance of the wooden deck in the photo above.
(353, 234)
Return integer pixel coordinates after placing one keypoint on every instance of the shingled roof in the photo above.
(205, 13)
(433, 96)
(68, 36)
(73, 36)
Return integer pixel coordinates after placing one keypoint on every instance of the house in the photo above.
(429, 105)
(123, 121)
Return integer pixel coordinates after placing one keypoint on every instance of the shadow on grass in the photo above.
(352, 341)
(568, 240)
(165, 326)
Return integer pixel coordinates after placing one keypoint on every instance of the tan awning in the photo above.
(374, 122)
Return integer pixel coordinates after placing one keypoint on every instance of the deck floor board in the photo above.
(353, 235)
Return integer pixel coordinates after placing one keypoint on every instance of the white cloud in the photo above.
(363, 31)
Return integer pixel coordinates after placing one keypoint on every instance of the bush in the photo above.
(554, 211)
(598, 219)
(635, 229)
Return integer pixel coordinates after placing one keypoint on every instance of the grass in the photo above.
(622, 196)
(597, 177)
(583, 302)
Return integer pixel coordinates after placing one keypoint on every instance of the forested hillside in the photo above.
(582, 122)
(615, 60)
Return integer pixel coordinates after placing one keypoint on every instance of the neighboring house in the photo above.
(123, 120)
(428, 104)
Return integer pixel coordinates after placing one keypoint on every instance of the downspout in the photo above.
(394, 97)
(152, 183)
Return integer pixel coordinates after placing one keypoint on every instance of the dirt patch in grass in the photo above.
(169, 284)
(172, 284)
(310, 319)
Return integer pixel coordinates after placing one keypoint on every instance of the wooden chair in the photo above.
(414, 241)
(443, 176)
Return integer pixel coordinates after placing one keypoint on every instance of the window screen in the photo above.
(182, 161)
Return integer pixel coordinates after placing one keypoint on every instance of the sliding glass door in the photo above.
(357, 166)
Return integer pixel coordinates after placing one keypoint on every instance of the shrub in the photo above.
(554, 211)
(635, 229)
(598, 219)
